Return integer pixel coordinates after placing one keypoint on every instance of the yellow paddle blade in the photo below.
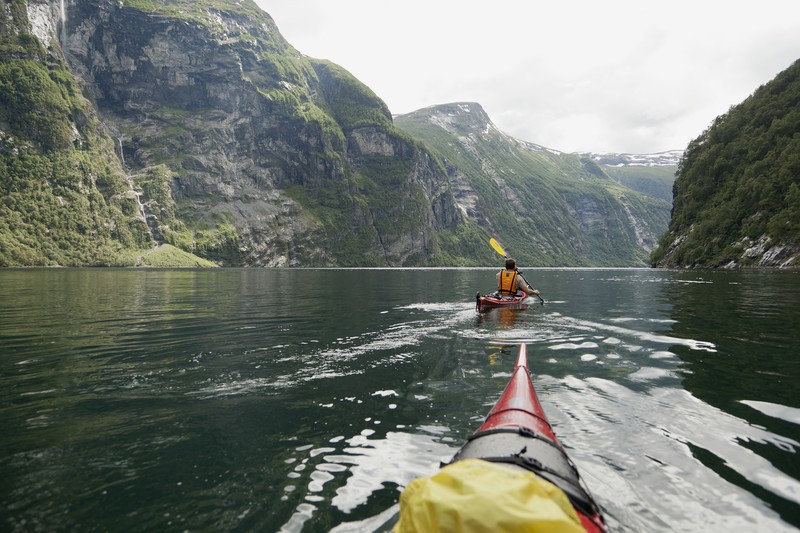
(497, 247)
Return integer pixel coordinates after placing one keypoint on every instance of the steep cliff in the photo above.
(272, 158)
(737, 194)
(64, 199)
(548, 207)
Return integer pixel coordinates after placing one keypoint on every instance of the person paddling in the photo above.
(510, 281)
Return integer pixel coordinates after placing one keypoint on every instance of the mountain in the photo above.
(272, 158)
(650, 174)
(136, 131)
(549, 207)
(195, 124)
(737, 193)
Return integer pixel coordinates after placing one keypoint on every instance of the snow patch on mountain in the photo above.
(659, 159)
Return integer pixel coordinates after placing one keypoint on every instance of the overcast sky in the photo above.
(636, 76)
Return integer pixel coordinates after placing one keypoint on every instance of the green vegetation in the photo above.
(198, 10)
(36, 104)
(154, 186)
(379, 193)
(64, 198)
(169, 256)
(62, 192)
(293, 102)
(164, 255)
(464, 245)
(51, 214)
(652, 181)
(351, 103)
(738, 182)
(219, 244)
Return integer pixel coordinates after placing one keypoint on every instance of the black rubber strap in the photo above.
(519, 430)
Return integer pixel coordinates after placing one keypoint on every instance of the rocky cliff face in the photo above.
(272, 154)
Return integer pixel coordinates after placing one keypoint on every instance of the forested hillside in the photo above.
(737, 194)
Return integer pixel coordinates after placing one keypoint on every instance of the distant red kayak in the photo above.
(516, 433)
(491, 301)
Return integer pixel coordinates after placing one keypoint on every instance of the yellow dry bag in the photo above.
(476, 495)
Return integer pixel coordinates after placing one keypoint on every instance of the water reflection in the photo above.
(653, 449)
(506, 318)
(754, 322)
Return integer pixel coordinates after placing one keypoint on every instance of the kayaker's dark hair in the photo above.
(510, 264)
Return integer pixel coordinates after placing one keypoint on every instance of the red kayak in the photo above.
(491, 301)
(517, 433)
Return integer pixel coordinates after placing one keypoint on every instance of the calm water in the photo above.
(304, 399)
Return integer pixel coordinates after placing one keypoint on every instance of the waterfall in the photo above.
(122, 156)
(151, 223)
(62, 17)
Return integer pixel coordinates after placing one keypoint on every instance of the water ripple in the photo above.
(597, 416)
(367, 465)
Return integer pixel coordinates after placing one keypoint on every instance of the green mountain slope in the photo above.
(652, 181)
(737, 194)
(549, 208)
(64, 199)
(650, 174)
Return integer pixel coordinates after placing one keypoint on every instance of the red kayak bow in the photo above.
(517, 433)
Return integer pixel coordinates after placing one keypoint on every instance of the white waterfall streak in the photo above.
(136, 194)
(62, 15)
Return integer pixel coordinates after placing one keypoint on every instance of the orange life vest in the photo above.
(508, 282)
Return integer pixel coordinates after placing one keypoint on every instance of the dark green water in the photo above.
(267, 400)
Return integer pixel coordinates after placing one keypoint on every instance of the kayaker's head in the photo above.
(510, 264)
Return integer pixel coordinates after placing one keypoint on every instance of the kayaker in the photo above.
(509, 280)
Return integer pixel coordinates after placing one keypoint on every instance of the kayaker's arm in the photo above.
(524, 286)
(528, 289)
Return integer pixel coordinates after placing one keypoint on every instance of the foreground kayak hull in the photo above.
(517, 434)
(489, 301)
